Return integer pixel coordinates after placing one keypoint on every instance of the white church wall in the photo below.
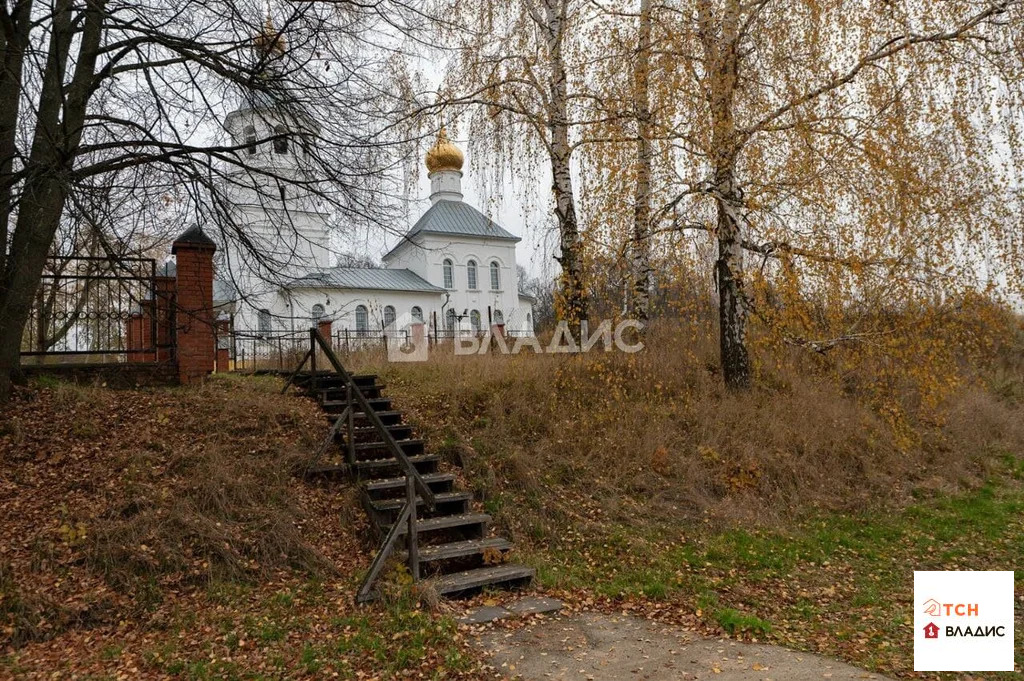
(411, 257)
(340, 306)
(437, 248)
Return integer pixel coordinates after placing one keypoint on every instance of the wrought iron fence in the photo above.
(256, 351)
(93, 309)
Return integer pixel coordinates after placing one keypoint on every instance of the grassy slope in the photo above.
(800, 521)
(162, 534)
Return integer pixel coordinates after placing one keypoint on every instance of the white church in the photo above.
(455, 265)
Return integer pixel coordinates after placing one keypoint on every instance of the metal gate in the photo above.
(95, 310)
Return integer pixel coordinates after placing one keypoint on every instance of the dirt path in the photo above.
(597, 647)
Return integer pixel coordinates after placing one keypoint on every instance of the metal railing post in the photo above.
(312, 359)
(350, 437)
(411, 538)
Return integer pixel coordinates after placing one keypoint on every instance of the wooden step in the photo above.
(442, 498)
(409, 447)
(341, 392)
(403, 443)
(481, 577)
(378, 404)
(334, 380)
(329, 469)
(379, 468)
(447, 522)
(382, 489)
(460, 549)
(369, 430)
(390, 418)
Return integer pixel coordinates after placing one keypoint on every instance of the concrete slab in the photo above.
(598, 647)
(532, 605)
(484, 614)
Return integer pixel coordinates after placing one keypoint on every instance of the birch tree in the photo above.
(520, 63)
(852, 149)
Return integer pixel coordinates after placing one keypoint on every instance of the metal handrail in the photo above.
(413, 480)
(407, 466)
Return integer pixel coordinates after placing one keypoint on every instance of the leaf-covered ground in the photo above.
(163, 534)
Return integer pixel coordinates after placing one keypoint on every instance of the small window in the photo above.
(474, 320)
(449, 275)
(417, 314)
(263, 322)
(495, 276)
(281, 140)
(471, 274)
(449, 319)
(250, 139)
(529, 322)
(318, 313)
(284, 193)
(389, 316)
(362, 319)
(499, 318)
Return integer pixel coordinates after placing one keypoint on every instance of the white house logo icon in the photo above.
(932, 607)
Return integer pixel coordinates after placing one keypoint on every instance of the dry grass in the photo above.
(109, 499)
(577, 440)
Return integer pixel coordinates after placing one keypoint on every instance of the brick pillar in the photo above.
(418, 334)
(163, 293)
(195, 336)
(324, 327)
(134, 340)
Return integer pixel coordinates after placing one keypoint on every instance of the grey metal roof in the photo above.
(375, 279)
(457, 219)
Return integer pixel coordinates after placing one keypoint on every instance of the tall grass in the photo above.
(570, 440)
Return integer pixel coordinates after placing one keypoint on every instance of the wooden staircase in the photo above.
(452, 543)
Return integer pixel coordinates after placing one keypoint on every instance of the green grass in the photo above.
(393, 641)
(838, 584)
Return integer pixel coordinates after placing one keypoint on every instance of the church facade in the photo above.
(454, 270)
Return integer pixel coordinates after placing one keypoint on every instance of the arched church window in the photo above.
(449, 276)
(495, 276)
(281, 140)
(417, 314)
(471, 274)
(499, 318)
(389, 316)
(474, 320)
(362, 319)
(318, 313)
(529, 322)
(263, 322)
(250, 139)
(449, 319)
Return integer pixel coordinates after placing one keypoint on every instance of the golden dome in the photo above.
(444, 155)
(270, 41)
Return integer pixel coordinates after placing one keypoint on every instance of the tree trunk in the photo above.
(12, 56)
(640, 266)
(572, 296)
(58, 133)
(721, 45)
(732, 311)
